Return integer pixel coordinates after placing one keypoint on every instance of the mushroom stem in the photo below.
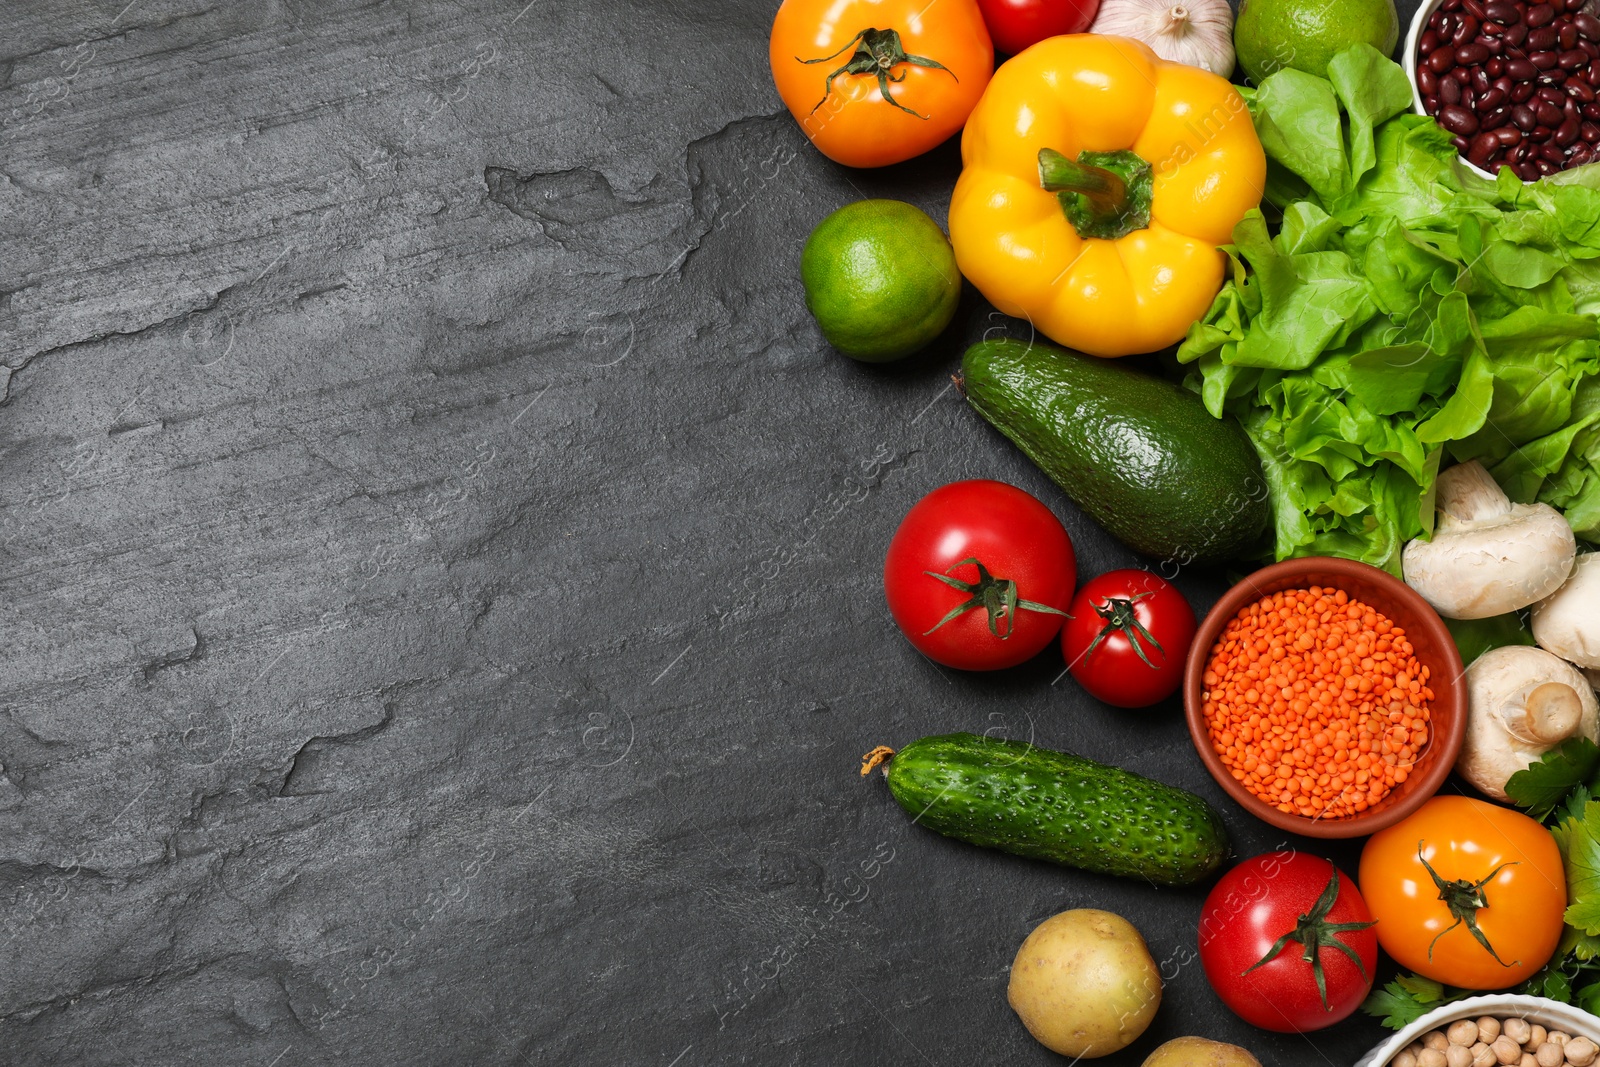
(1548, 714)
(1469, 493)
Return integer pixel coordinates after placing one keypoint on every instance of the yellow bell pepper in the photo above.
(1097, 182)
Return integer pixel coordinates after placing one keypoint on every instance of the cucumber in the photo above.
(1055, 806)
(1142, 456)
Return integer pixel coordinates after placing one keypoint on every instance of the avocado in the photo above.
(1141, 455)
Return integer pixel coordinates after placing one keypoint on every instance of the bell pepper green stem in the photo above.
(1103, 194)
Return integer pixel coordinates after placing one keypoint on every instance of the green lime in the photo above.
(880, 278)
(1305, 34)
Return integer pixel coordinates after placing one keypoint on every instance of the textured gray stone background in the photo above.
(440, 565)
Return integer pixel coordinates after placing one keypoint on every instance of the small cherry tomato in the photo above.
(1466, 893)
(979, 574)
(1287, 942)
(1016, 24)
(1127, 639)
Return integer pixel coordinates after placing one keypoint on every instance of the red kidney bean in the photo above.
(1567, 132)
(1491, 99)
(1471, 54)
(1587, 24)
(1569, 107)
(1551, 94)
(1469, 98)
(1552, 152)
(1593, 77)
(1429, 41)
(1553, 76)
(1524, 117)
(1543, 40)
(1518, 69)
(1480, 80)
(1575, 5)
(1567, 34)
(1496, 68)
(1522, 91)
(1540, 15)
(1449, 91)
(1579, 90)
(1509, 136)
(1548, 114)
(1580, 156)
(1427, 81)
(1500, 11)
(1458, 119)
(1441, 61)
(1473, 8)
(1504, 84)
(1462, 75)
(1516, 33)
(1590, 49)
(1436, 20)
(1527, 172)
(1589, 132)
(1465, 31)
(1570, 60)
(1495, 120)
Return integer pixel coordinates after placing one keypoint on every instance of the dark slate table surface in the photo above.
(440, 565)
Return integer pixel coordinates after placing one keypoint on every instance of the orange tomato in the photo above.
(1480, 854)
(874, 82)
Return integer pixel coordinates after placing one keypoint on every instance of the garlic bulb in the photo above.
(1196, 32)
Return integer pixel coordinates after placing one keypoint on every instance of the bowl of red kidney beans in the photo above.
(1515, 83)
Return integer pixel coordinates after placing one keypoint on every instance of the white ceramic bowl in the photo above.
(1419, 25)
(1550, 1014)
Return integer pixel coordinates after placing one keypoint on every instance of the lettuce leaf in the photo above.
(1405, 313)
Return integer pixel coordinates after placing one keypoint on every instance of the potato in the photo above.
(1198, 1052)
(1084, 984)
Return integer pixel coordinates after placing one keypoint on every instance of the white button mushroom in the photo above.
(1568, 621)
(1488, 556)
(1521, 702)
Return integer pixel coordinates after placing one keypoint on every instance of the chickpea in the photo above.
(1483, 1056)
(1432, 1057)
(1404, 1058)
(1581, 1052)
(1435, 1039)
(1488, 1029)
(1463, 1032)
(1528, 1060)
(1459, 1055)
(1536, 1036)
(1550, 1055)
(1517, 1030)
(1506, 1050)
(1557, 1037)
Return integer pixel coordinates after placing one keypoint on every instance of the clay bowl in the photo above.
(1434, 649)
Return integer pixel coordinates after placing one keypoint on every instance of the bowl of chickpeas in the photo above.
(1497, 1030)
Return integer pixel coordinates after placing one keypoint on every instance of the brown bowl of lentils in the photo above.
(1514, 83)
(1496, 1030)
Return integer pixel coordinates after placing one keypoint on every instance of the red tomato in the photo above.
(1267, 929)
(1127, 639)
(978, 575)
(1016, 24)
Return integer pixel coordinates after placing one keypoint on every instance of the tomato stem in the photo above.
(1118, 614)
(877, 52)
(996, 596)
(1103, 194)
(1464, 898)
(1314, 932)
